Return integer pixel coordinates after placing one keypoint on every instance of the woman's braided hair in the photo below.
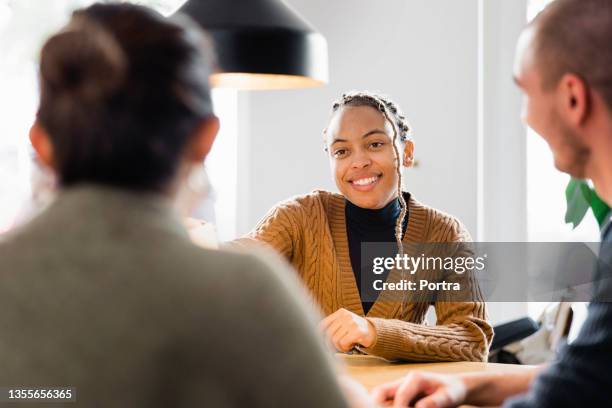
(401, 131)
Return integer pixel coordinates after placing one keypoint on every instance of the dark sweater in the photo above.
(581, 374)
(365, 225)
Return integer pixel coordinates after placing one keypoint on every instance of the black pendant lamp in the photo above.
(261, 44)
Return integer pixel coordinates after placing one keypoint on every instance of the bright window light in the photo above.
(24, 26)
(222, 164)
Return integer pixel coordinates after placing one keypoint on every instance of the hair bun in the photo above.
(83, 61)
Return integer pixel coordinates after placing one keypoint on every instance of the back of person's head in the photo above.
(123, 90)
(575, 36)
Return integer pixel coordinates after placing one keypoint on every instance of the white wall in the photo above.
(503, 209)
(502, 175)
(448, 64)
(423, 54)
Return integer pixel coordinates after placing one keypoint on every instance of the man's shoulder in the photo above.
(579, 376)
(229, 269)
(20, 242)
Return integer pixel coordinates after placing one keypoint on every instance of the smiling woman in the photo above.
(368, 143)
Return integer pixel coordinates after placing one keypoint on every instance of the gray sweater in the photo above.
(105, 293)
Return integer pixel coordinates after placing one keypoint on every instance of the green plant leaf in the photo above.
(577, 204)
(601, 210)
(580, 197)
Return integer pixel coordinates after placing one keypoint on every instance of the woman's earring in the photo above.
(408, 161)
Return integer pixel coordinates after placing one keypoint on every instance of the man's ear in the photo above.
(203, 139)
(408, 156)
(574, 98)
(42, 144)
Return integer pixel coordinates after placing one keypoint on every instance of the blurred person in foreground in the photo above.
(103, 291)
(563, 67)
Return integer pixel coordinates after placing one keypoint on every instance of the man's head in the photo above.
(564, 67)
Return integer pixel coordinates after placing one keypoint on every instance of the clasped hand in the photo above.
(345, 329)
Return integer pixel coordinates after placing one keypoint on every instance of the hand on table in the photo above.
(432, 391)
(345, 329)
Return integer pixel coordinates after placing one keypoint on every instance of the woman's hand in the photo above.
(345, 329)
(432, 391)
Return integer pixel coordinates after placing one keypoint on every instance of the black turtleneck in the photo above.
(365, 225)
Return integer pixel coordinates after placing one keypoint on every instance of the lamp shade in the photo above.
(261, 44)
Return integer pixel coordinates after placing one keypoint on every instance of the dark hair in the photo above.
(401, 131)
(575, 36)
(122, 91)
(380, 102)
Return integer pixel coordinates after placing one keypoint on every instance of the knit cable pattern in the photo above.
(310, 231)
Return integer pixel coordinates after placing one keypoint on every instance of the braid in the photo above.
(382, 103)
(401, 129)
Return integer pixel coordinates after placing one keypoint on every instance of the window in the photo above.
(222, 165)
(24, 26)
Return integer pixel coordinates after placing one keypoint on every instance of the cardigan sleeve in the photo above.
(461, 333)
(278, 229)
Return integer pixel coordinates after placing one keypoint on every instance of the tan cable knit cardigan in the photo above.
(310, 231)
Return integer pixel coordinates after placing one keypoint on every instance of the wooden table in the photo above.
(372, 371)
